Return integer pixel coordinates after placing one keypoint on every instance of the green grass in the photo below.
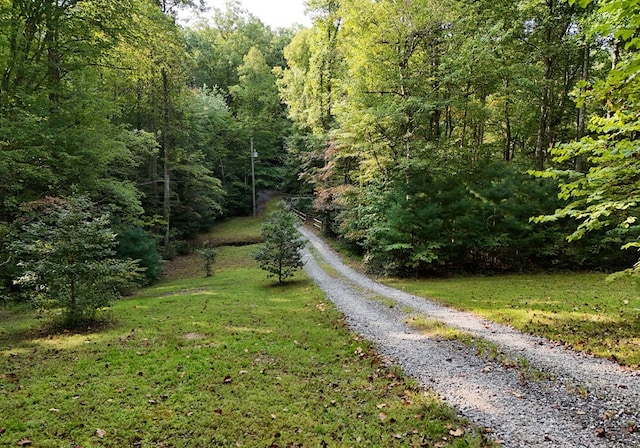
(581, 310)
(485, 349)
(236, 232)
(228, 361)
(239, 231)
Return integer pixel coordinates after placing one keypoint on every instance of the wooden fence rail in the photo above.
(308, 219)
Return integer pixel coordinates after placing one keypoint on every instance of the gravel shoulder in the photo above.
(573, 400)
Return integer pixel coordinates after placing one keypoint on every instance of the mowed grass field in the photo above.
(581, 310)
(228, 361)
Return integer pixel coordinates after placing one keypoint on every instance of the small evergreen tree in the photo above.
(280, 253)
(66, 250)
(208, 254)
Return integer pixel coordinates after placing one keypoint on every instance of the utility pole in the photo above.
(254, 154)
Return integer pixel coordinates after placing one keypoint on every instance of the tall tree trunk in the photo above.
(542, 136)
(506, 153)
(615, 56)
(582, 111)
(165, 152)
(53, 54)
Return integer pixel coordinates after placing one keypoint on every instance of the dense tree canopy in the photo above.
(422, 119)
(606, 196)
(152, 122)
(410, 127)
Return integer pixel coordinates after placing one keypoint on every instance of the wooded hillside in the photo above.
(116, 102)
(427, 134)
(434, 130)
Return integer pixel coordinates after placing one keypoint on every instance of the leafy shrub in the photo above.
(66, 251)
(478, 221)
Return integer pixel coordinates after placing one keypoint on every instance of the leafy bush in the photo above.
(478, 221)
(66, 251)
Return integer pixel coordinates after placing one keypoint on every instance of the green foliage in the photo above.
(57, 127)
(415, 105)
(8, 270)
(136, 244)
(279, 255)
(607, 195)
(207, 252)
(241, 57)
(66, 251)
(478, 221)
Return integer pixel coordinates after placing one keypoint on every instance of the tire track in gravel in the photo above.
(581, 401)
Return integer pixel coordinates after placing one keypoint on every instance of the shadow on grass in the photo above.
(295, 283)
(49, 327)
(617, 339)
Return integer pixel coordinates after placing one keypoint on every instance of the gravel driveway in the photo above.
(573, 400)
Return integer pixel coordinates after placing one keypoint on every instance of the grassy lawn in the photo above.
(229, 360)
(582, 310)
(237, 231)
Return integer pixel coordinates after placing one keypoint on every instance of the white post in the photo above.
(253, 179)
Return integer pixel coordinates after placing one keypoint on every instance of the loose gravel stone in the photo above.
(576, 401)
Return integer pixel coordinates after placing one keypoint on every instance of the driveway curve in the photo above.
(550, 396)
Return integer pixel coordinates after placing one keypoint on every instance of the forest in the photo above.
(431, 137)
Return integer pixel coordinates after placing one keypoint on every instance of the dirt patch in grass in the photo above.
(193, 336)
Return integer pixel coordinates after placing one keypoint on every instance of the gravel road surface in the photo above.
(555, 398)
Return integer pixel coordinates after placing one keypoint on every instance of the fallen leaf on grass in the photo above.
(54, 410)
(227, 379)
(381, 405)
(100, 433)
(457, 433)
(382, 416)
(25, 442)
